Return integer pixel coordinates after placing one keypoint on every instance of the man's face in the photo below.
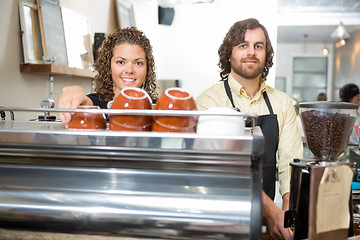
(248, 58)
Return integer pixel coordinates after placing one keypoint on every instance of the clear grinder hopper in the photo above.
(327, 127)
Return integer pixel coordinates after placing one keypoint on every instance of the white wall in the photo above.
(185, 50)
(347, 63)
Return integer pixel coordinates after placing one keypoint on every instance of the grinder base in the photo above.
(299, 214)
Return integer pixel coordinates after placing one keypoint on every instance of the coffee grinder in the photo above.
(327, 127)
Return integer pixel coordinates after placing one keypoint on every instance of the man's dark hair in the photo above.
(234, 37)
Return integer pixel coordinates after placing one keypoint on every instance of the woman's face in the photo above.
(356, 100)
(128, 66)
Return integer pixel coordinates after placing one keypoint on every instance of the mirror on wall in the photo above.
(69, 47)
(30, 32)
(125, 14)
(77, 39)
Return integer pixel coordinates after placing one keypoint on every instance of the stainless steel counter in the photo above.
(146, 184)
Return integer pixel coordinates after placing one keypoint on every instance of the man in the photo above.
(245, 59)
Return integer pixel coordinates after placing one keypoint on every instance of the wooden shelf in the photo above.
(53, 69)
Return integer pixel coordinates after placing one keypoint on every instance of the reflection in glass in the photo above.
(28, 32)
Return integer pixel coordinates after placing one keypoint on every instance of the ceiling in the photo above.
(319, 5)
(316, 18)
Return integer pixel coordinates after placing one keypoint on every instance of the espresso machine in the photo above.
(319, 185)
(128, 184)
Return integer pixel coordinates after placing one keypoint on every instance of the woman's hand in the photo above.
(71, 98)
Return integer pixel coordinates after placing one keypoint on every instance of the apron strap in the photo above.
(228, 93)
(267, 101)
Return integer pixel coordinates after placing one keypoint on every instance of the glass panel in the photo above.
(280, 83)
(309, 80)
(310, 64)
(307, 94)
(309, 77)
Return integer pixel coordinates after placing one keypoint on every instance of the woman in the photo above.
(125, 60)
(350, 93)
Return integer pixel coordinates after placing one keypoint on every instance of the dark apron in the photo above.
(270, 128)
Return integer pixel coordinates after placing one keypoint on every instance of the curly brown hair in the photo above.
(103, 80)
(236, 36)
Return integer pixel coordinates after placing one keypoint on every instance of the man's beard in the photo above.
(248, 73)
